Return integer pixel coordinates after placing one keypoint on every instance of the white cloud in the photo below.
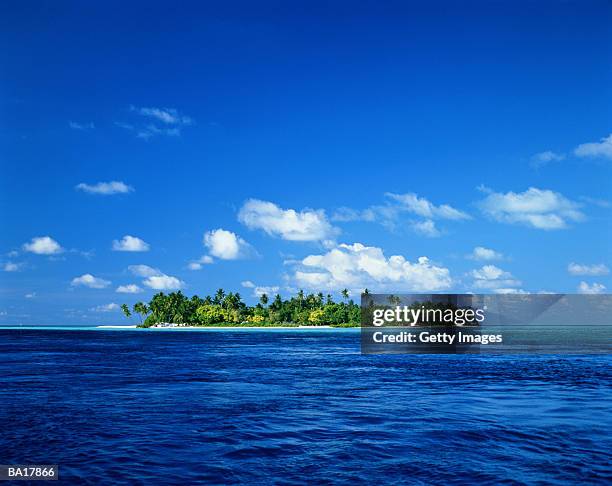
(422, 207)
(206, 260)
(88, 280)
(490, 277)
(130, 243)
(170, 119)
(155, 279)
(590, 270)
(595, 288)
(43, 245)
(426, 228)
(389, 214)
(12, 267)
(288, 224)
(128, 289)
(510, 291)
(163, 282)
(226, 245)
(197, 265)
(484, 254)
(105, 188)
(358, 266)
(489, 272)
(150, 130)
(81, 126)
(31, 295)
(538, 208)
(169, 116)
(543, 158)
(603, 148)
(105, 308)
(144, 271)
(259, 290)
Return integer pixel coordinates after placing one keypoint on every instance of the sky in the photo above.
(276, 146)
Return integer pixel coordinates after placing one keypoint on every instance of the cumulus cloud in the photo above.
(537, 208)
(88, 280)
(198, 264)
(43, 245)
(422, 207)
(128, 289)
(259, 290)
(602, 149)
(130, 243)
(510, 291)
(155, 279)
(288, 224)
(12, 267)
(226, 245)
(543, 158)
(144, 270)
(389, 214)
(595, 288)
(490, 277)
(484, 254)
(106, 308)
(358, 266)
(105, 188)
(426, 228)
(589, 270)
(163, 282)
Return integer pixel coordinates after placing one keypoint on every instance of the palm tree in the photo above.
(126, 310)
(140, 309)
(345, 294)
(320, 298)
(263, 298)
(394, 300)
(278, 303)
(219, 296)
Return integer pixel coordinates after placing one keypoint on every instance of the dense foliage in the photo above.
(229, 309)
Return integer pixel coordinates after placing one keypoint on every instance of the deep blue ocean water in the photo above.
(291, 407)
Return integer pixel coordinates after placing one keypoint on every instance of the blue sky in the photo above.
(333, 146)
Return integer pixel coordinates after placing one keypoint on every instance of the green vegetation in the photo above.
(228, 310)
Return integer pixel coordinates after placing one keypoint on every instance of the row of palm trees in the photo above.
(175, 307)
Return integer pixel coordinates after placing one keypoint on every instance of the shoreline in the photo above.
(236, 327)
(186, 328)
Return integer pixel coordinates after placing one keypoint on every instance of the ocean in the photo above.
(297, 406)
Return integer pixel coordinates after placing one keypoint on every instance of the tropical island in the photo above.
(228, 310)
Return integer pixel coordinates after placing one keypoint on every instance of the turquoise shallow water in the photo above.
(289, 407)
